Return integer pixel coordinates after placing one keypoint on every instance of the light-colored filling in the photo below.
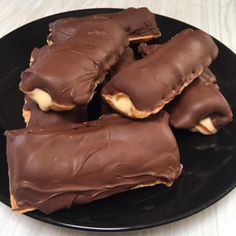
(45, 102)
(42, 98)
(49, 42)
(122, 103)
(31, 61)
(205, 127)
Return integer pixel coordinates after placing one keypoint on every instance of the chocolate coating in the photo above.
(60, 166)
(126, 58)
(70, 72)
(201, 99)
(135, 21)
(41, 118)
(145, 49)
(155, 80)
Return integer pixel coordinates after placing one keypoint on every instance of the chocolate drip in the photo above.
(60, 166)
(155, 80)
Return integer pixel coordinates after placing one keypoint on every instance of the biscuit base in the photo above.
(144, 38)
(18, 209)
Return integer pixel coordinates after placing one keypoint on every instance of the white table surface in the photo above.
(215, 17)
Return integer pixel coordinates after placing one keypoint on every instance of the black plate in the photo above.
(209, 161)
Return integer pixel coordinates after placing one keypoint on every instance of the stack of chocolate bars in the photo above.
(61, 159)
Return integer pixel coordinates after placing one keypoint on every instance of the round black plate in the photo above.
(209, 161)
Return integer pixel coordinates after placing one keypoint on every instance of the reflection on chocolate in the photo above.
(155, 80)
(137, 22)
(69, 73)
(60, 166)
(37, 117)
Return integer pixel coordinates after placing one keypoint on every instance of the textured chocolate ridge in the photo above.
(59, 166)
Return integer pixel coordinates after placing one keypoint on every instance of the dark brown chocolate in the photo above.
(137, 22)
(37, 117)
(69, 72)
(61, 166)
(155, 80)
(201, 99)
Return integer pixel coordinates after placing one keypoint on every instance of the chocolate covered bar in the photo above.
(34, 116)
(64, 76)
(139, 24)
(146, 85)
(60, 166)
(200, 107)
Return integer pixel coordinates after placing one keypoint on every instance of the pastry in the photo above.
(146, 85)
(200, 107)
(64, 76)
(57, 167)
